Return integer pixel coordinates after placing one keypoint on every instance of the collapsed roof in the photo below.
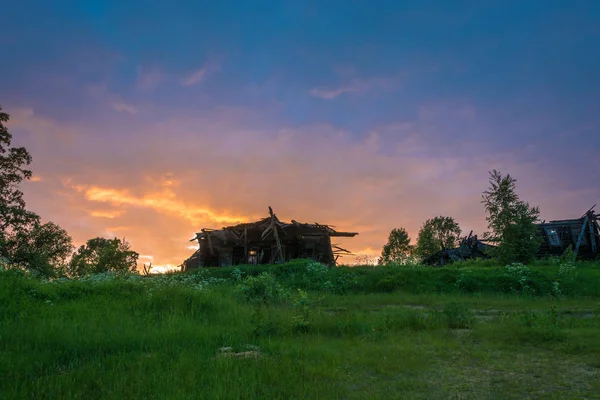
(266, 241)
(582, 234)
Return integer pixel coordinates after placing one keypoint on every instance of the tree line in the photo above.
(511, 223)
(46, 248)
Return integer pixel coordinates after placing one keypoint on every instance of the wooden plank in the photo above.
(245, 245)
(279, 250)
(210, 246)
(581, 233)
(592, 237)
(343, 234)
(266, 232)
(340, 248)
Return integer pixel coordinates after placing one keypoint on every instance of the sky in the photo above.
(152, 120)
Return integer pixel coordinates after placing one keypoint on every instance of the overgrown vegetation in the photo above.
(398, 249)
(437, 234)
(46, 249)
(302, 330)
(87, 325)
(511, 220)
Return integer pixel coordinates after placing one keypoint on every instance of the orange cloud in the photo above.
(164, 201)
(106, 214)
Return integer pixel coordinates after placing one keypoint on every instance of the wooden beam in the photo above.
(592, 237)
(343, 234)
(276, 235)
(340, 249)
(245, 245)
(210, 246)
(273, 227)
(581, 233)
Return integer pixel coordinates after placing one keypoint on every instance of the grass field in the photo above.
(307, 332)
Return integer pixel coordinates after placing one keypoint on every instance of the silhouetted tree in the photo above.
(44, 248)
(437, 234)
(103, 255)
(397, 249)
(13, 163)
(511, 220)
(24, 241)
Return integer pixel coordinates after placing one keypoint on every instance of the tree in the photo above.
(41, 247)
(103, 255)
(397, 249)
(13, 162)
(24, 241)
(511, 220)
(437, 234)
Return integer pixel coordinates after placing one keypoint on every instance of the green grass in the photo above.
(419, 336)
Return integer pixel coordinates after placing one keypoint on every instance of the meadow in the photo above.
(303, 331)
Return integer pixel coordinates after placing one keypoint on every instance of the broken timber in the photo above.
(267, 241)
(582, 234)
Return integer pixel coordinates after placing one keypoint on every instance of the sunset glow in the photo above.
(360, 116)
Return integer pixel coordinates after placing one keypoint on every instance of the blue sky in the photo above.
(457, 87)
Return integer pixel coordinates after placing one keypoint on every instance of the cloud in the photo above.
(165, 201)
(194, 78)
(106, 214)
(360, 86)
(332, 93)
(120, 106)
(149, 78)
(227, 165)
(200, 74)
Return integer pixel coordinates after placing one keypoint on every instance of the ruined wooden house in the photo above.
(470, 248)
(582, 234)
(267, 241)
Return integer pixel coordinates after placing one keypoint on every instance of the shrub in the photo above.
(300, 320)
(262, 289)
(519, 276)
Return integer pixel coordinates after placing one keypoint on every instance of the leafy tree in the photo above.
(24, 241)
(397, 249)
(41, 247)
(437, 234)
(511, 220)
(13, 163)
(103, 255)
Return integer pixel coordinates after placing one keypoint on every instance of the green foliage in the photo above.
(519, 276)
(458, 316)
(397, 249)
(163, 336)
(262, 289)
(511, 220)
(43, 248)
(103, 255)
(301, 319)
(24, 241)
(568, 255)
(437, 234)
(13, 170)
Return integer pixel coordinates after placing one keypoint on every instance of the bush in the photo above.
(262, 289)
(519, 276)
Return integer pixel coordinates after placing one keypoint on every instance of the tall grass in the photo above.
(301, 330)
